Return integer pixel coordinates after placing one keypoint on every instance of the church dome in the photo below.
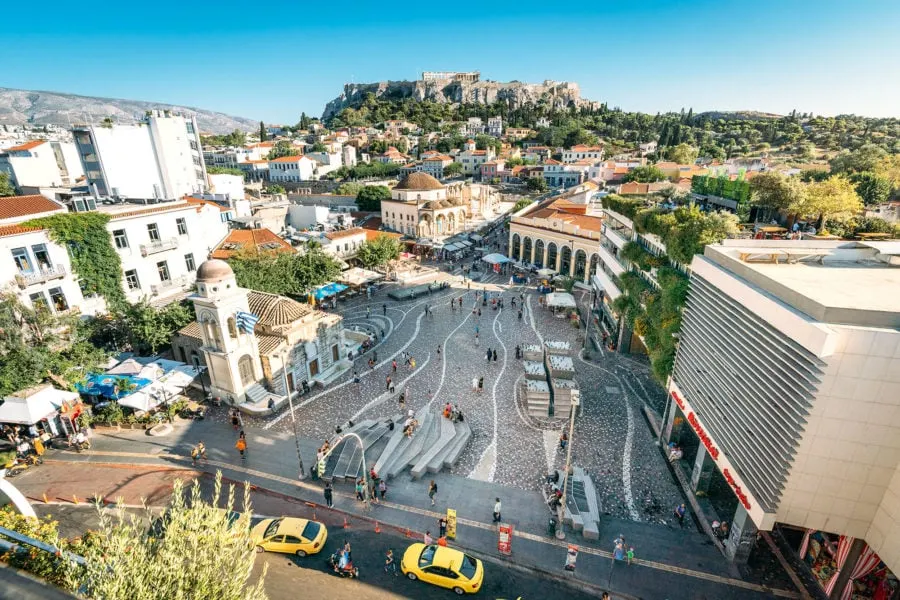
(419, 181)
(214, 271)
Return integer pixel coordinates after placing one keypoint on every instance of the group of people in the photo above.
(620, 552)
(452, 412)
(478, 384)
(491, 355)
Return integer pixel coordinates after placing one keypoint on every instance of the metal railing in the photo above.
(159, 246)
(163, 286)
(45, 274)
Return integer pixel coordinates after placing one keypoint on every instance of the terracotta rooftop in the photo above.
(418, 181)
(372, 234)
(582, 221)
(287, 159)
(200, 202)
(16, 207)
(7, 230)
(25, 146)
(274, 310)
(252, 240)
(336, 235)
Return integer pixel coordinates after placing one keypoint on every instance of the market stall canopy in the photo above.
(329, 289)
(359, 276)
(169, 385)
(126, 367)
(561, 300)
(476, 237)
(496, 259)
(29, 406)
(545, 272)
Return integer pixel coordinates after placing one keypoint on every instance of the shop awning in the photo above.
(476, 237)
(561, 300)
(545, 272)
(496, 259)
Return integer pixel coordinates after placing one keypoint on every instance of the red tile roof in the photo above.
(372, 234)
(287, 159)
(200, 202)
(335, 235)
(14, 207)
(6, 230)
(25, 146)
(253, 240)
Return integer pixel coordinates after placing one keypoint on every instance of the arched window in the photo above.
(232, 327)
(210, 328)
(245, 369)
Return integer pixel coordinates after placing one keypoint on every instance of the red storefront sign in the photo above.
(737, 489)
(678, 400)
(704, 437)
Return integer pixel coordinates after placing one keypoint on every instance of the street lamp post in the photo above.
(287, 390)
(576, 401)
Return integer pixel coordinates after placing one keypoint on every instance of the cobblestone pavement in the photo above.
(612, 440)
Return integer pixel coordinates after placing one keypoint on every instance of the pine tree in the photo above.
(262, 132)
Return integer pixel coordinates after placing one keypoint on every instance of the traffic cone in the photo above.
(408, 533)
(44, 496)
(377, 527)
(346, 523)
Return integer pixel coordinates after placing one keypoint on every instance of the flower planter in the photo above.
(107, 426)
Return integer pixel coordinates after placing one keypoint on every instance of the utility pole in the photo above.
(284, 365)
(560, 526)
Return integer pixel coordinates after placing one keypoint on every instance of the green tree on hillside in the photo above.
(683, 154)
(6, 186)
(379, 251)
(871, 188)
(369, 197)
(282, 148)
(262, 132)
(645, 174)
(453, 169)
(536, 184)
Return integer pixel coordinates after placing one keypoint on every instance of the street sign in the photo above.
(504, 542)
(451, 524)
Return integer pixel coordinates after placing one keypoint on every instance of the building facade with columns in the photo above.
(557, 235)
(785, 398)
(420, 207)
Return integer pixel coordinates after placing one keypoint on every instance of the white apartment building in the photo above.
(582, 152)
(495, 126)
(292, 169)
(34, 267)
(559, 175)
(348, 156)
(41, 163)
(344, 244)
(472, 159)
(786, 392)
(159, 157)
(161, 245)
(472, 126)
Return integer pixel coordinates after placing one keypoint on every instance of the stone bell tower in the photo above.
(232, 354)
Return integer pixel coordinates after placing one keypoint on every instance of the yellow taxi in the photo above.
(289, 535)
(444, 567)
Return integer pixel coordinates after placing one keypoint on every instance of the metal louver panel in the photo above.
(750, 384)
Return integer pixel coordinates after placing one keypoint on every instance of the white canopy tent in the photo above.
(358, 276)
(30, 406)
(561, 300)
(126, 367)
(545, 272)
(496, 259)
(166, 387)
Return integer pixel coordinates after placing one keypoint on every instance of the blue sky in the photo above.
(272, 60)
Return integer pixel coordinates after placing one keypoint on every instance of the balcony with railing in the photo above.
(614, 263)
(159, 246)
(25, 279)
(163, 287)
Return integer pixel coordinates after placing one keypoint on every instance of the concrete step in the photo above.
(348, 447)
(463, 434)
(430, 436)
(414, 445)
(256, 392)
(393, 447)
(433, 458)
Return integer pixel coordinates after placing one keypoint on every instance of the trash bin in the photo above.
(551, 527)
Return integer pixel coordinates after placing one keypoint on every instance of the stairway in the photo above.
(256, 393)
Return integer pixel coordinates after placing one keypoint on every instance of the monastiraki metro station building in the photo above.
(785, 398)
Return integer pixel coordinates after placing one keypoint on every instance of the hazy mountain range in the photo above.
(20, 107)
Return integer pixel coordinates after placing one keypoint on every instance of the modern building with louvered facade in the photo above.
(786, 393)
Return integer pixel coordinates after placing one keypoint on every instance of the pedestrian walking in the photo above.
(390, 566)
(241, 445)
(476, 340)
(382, 488)
(495, 355)
(679, 514)
(630, 554)
(197, 452)
(402, 400)
(520, 315)
(479, 312)
(474, 384)
(488, 354)
(412, 364)
(439, 350)
(432, 491)
(391, 389)
(360, 490)
(235, 414)
(563, 440)
(518, 352)
(442, 526)
(329, 494)
(387, 383)
(618, 553)
(384, 309)
(480, 384)
(497, 508)
(394, 366)
(355, 377)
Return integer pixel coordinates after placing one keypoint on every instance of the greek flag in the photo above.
(246, 321)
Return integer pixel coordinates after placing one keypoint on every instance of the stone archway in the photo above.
(552, 256)
(565, 260)
(595, 261)
(451, 222)
(539, 253)
(527, 249)
(516, 247)
(439, 225)
(425, 226)
(580, 264)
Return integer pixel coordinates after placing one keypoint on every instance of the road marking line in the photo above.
(468, 522)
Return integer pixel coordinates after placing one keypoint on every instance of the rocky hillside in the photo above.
(555, 94)
(18, 107)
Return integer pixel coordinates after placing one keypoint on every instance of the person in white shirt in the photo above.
(497, 507)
